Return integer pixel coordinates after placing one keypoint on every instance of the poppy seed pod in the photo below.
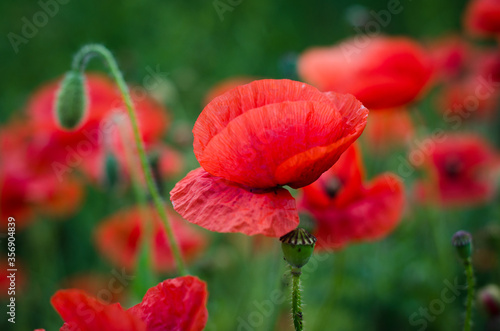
(71, 102)
(298, 247)
(462, 241)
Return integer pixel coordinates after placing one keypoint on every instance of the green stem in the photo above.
(469, 272)
(79, 62)
(296, 299)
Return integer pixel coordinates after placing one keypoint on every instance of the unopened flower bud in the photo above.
(462, 241)
(489, 299)
(298, 247)
(71, 102)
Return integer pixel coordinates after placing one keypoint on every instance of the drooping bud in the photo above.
(462, 241)
(489, 299)
(298, 247)
(71, 102)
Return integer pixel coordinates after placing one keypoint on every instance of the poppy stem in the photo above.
(296, 299)
(469, 272)
(79, 62)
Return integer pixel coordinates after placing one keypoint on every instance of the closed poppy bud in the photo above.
(71, 103)
(462, 241)
(489, 299)
(298, 247)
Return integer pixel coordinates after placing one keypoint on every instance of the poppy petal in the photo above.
(85, 313)
(175, 304)
(223, 206)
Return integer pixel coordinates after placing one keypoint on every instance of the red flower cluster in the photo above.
(253, 140)
(462, 169)
(382, 72)
(175, 304)
(118, 238)
(346, 209)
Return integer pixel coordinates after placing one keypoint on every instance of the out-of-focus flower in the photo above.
(482, 17)
(175, 304)
(382, 73)
(461, 169)
(224, 86)
(387, 129)
(345, 209)
(26, 189)
(255, 139)
(63, 151)
(449, 57)
(118, 238)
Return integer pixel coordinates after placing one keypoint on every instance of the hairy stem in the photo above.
(79, 62)
(469, 272)
(296, 299)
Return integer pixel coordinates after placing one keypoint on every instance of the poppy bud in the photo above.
(298, 246)
(462, 241)
(71, 103)
(489, 299)
(112, 173)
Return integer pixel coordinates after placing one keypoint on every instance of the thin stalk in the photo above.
(469, 272)
(79, 62)
(296, 300)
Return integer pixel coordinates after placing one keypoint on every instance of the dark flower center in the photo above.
(453, 167)
(332, 186)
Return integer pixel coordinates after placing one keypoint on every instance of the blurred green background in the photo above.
(364, 287)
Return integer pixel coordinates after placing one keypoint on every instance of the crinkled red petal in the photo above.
(224, 206)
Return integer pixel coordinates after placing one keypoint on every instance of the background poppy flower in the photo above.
(482, 17)
(462, 169)
(346, 209)
(449, 55)
(382, 73)
(118, 238)
(255, 139)
(26, 189)
(62, 150)
(175, 304)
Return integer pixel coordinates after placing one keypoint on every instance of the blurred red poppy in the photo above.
(26, 189)
(382, 72)
(224, 86)
(482, 17)
(118, 238)
(255, 139)
(345, 209)
(387, 129)
(175, 304)
(450, 55)
(462, 169)
(62, 151)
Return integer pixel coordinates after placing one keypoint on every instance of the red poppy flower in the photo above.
(387, 129)
(255, 139)
(462, 169)
(382, 73)
(482, 17)
(345, 209)
(175, 304)
(63, 151)
(25, 189)
(449, 56)
(224, 86)
(118, 238)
